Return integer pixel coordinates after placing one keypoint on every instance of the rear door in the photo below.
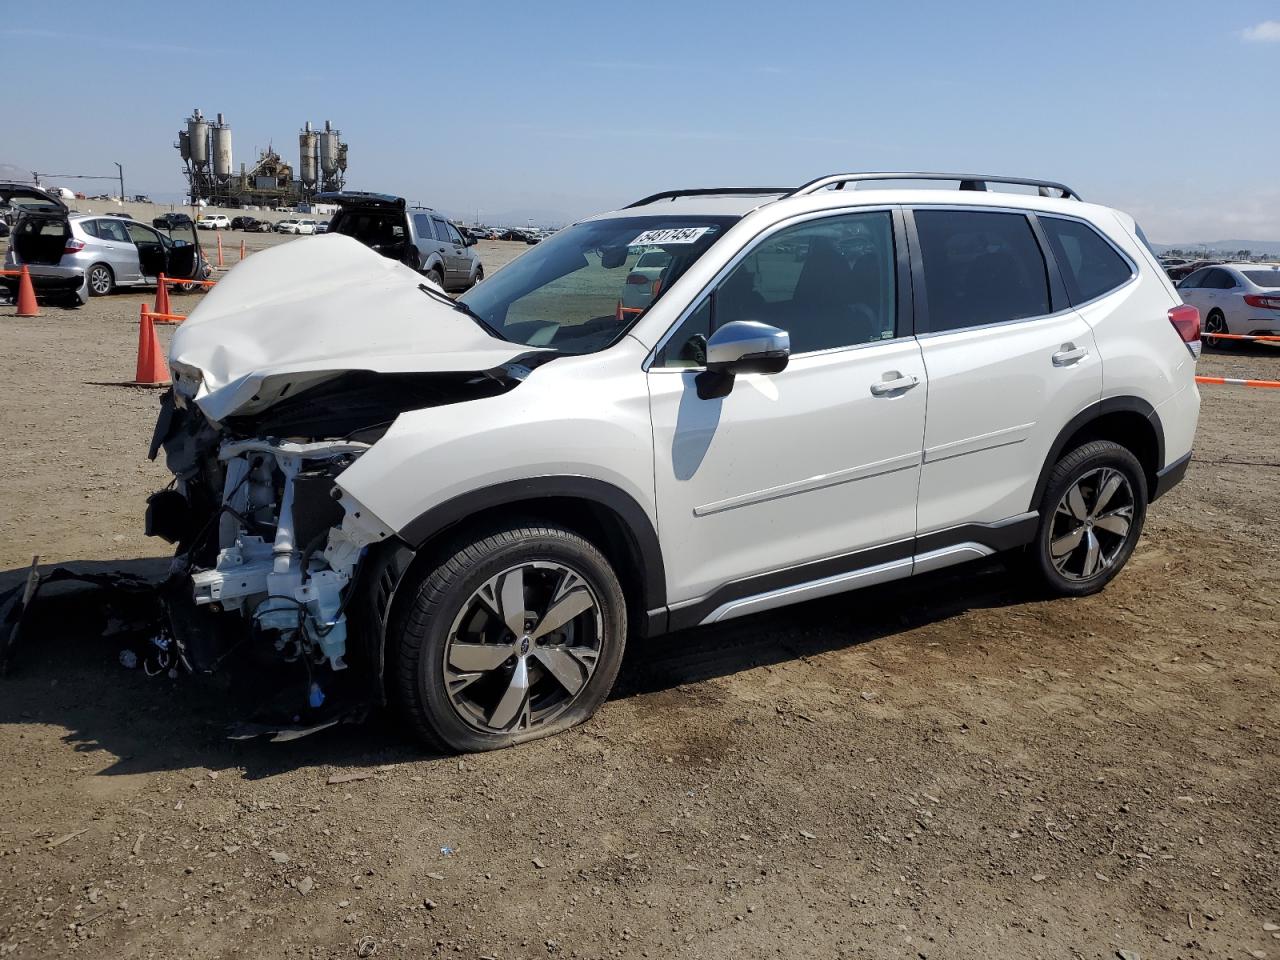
(445, 248)
(116, 247)
(1009, 362)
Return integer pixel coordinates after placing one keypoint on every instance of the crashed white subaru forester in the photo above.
(707, 404)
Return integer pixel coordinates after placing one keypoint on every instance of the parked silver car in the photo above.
(83, 255)
(417, 236)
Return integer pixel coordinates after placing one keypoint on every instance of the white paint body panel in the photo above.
(996, 404)
(795, 466)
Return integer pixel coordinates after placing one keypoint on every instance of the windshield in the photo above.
(1264, 278)
(580, 290)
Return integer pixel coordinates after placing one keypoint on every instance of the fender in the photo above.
(1126, 404)
(636, 522)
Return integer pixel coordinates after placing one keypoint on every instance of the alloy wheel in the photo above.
(522, 647)
(1214, 323)
(100, 281)
(1091, 524)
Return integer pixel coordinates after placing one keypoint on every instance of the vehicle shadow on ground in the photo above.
(65, 675)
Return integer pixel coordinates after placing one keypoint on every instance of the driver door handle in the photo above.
(886, 387)
(1068, 355)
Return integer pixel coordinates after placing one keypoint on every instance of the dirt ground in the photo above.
(941, 768)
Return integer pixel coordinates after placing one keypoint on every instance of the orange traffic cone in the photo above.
(242, 248)
(162, 296)
(151, 365)
(26, 296)
(220, 249)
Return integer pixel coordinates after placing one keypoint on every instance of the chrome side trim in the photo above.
(985, 441)
(881, 573)
(810, 484)
(948, 556)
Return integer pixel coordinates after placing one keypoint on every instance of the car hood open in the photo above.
(312, 309)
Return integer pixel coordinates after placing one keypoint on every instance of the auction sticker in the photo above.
(670, 235)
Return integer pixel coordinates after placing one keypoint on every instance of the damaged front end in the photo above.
(269, 547)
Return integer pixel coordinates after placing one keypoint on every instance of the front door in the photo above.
(796, 479)
(1009, 364)
(151, 251)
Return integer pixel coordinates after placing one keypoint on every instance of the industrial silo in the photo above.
(329, 148)
(307, 142)
(184, 145)
(198, 138)
(221, 149)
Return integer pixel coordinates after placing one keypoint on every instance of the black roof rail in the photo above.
(968, 181)
(712, 192)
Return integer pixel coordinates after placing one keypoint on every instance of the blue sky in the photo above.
(556, 110)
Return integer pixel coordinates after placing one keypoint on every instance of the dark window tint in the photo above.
(442, 233)
(422, 224)
(1264, 278)
(90, 227)
(454, 237)
(829, 283)
(1090, 266)
(111, 230)
(980, 268)
(1218, 280)
(1195, 279)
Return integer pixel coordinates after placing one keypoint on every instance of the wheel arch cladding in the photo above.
(604, 514)
(1129, 421)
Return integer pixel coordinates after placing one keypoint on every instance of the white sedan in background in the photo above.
(1235, 298)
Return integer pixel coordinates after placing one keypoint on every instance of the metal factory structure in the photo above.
(206, 150)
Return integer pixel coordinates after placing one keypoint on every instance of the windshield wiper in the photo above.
(463, 308)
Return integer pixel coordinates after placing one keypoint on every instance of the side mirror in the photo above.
(743, 346)
(469, 240)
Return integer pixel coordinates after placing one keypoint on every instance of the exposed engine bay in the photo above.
(268, 546)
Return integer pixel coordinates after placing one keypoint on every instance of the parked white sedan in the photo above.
(1235, 298)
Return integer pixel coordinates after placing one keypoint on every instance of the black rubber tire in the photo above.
(1036, 561)
(1209, 339)
(417, 638)
(111, 280)
(436, 277)
(479, 277)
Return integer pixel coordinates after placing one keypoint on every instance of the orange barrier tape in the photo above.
(10, 273)
(167, 317)
(178, 280)
(1232, 381)
(1239, 336)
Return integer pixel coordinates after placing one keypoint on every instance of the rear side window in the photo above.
(111, 230)
(422, 224)
(1090, 265)
(980, 268)
(1218, 280)
(90, 227)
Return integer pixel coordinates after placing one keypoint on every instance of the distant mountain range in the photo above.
(1266, 248)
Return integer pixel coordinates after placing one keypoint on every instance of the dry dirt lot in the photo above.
(942, 768)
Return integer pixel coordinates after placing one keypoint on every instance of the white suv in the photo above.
(468, 508)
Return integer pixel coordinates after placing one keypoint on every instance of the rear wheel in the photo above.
(517, 634)
(1215, 322)
(1091, 517)
(101, 280)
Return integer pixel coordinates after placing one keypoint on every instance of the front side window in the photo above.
(454, 237)
(140, 234)
(1090, 266)
(829, 283)
(442, 234)
(980, 267)
(572, 291)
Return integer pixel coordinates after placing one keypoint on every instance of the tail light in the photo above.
(73, 246)
(657, 286)
(1186, 320)
(635, 279)
(1265, 301)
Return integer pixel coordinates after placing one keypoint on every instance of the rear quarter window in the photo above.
(1090, 265)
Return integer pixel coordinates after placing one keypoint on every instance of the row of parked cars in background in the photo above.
(1233, 297)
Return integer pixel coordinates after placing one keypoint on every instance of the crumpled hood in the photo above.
(316, 307)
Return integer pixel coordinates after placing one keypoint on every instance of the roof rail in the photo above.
(968, 181)
(712, 192)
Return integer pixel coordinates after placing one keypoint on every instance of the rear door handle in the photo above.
(1069, 355)
(886, 387)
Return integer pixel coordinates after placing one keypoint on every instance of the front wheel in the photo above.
(517, 634)
(436, 277)
(1091, 516)
(479, 276)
